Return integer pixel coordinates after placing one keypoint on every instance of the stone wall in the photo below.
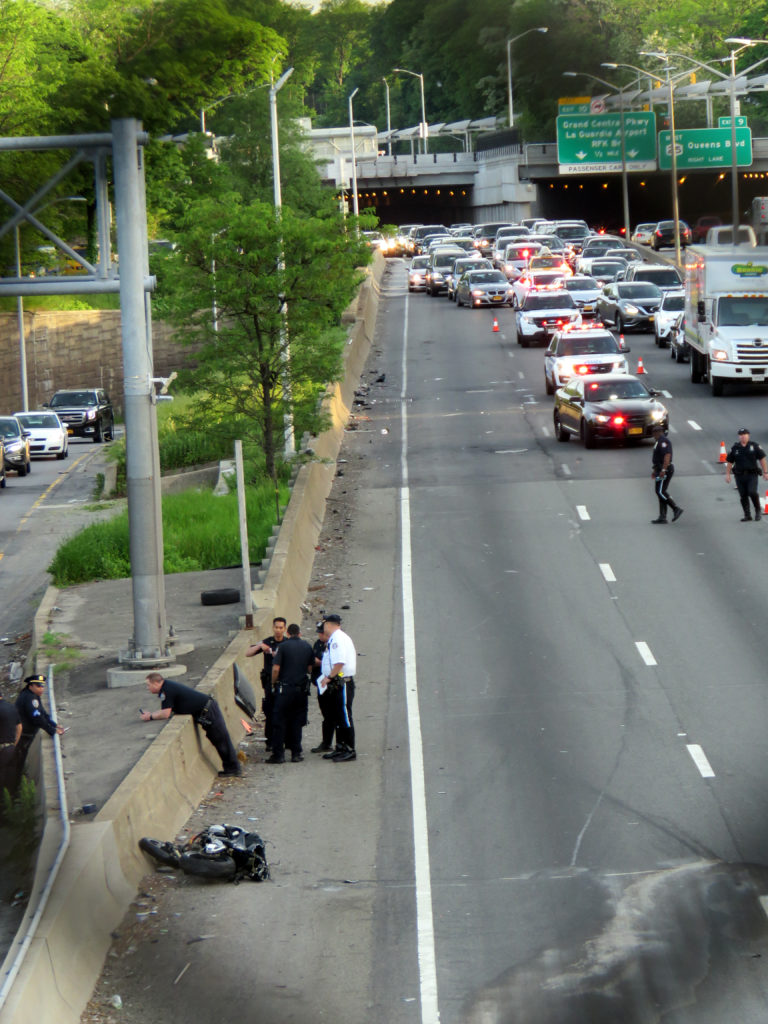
(79, 348)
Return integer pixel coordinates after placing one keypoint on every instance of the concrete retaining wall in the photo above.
(103, 865)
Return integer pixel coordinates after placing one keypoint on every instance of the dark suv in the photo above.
(86, 412)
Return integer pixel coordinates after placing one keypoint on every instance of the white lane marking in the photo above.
(545, 431)
(763, 901)
(476, 391)
(710, 468)
(425, 929)
(566, 470)
(693, 425)
(607, 572)
(521, 375)
(700, 760)
(583, 513)
(645, 652)
(666, 394)
(509, 451)
(671, 430)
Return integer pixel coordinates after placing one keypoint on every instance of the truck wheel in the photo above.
(97, 433)
(716, 383)
(696, 367)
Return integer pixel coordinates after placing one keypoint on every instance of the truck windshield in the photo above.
(743, 311)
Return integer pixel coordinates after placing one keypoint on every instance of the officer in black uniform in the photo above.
(662, 472)
(33, 716)
(267, 647)
(291, 665)
(10, 734)
(179, 699)
(745, 459)
(325, 699)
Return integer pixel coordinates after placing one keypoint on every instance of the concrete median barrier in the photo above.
(103, 865)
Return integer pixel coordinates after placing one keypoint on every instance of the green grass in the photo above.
(57, 645)
(61, 303)
(200, 531)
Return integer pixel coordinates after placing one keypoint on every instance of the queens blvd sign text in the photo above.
(591, 143)
(706, 147)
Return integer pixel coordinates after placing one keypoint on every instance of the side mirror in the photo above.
(46, 405)
(653, 392)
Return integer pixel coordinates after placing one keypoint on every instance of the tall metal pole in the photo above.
(20, 318)
(389, 119)
(675, 202)
(543, 28)
(735, 215)
(289, 442)
(143, 484)
(424, 125)
(355, 205)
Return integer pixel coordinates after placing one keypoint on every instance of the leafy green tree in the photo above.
(230, 252)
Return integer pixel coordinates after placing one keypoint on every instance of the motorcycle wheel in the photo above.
(164, 853)
(204, 865)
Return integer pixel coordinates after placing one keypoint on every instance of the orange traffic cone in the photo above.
(495, 325)
(723, 456)
(640, 368)
(765, 506)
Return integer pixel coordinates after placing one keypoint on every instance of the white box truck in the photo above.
(726, 314)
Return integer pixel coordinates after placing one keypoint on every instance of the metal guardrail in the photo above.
(20, 948)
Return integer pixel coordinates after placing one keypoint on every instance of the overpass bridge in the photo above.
(514, 181)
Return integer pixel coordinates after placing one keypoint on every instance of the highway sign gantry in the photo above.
(705, 147)
(591, 143)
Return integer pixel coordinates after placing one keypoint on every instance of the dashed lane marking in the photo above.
(607, 572)
(700, 760)
(645, 652)
(566, 470)
(693, 425)
(582, 512)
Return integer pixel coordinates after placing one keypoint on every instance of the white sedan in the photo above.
(48, 436)
(667, 315)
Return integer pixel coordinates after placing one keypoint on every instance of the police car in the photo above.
(576, 351)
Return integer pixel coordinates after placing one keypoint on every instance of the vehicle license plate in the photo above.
(587, 309)
(496, 298)
(635, 430)
(70, 431)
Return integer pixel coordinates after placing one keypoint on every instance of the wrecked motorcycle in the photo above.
(219, 851)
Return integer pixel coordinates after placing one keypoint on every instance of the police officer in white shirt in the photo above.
(338, 675)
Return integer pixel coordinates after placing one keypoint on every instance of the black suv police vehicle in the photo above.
(85, 412)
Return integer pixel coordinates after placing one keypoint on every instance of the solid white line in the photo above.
(583, 513)
(700, 760)
(607, 572)
(645, 652)
(425, 930)
(693, 425)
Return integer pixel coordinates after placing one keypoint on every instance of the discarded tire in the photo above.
(205, 865)
(225, 595)
(165, 853)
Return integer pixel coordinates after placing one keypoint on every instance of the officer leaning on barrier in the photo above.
(33, 716)
(745, 459)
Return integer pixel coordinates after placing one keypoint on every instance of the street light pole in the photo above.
(624, 182)
(389, 119)
(544, 28)
(355, 206)
(289, 444)
(424, 126)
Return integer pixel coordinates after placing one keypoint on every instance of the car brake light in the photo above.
(581, 369)
(618, 421)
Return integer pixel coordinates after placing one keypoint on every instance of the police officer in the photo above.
(338, 667)
(33, 716)
(267, 647)
(662, 471)
(178, 699)
(291, 666)
(745, 458)
(324, 701)
(10, 734)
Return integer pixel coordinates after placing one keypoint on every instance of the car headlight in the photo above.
(602, 419)
(658, 414)
(478, 292)
(13, 446)
(719, 353)
(632, 310)
(620, 366)
(91, 414)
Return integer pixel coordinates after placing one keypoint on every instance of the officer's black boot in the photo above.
(747, 517)
(662, 513)
(756, 503)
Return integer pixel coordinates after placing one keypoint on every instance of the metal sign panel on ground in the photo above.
(591, 143)
(705, 147)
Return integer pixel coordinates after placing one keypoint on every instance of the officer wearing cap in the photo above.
(338, 667)
(662, 471)
(33, 716)
(323, 699)
(745, 459)
(291, 666)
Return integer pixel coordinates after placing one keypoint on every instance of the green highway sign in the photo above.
(591, 143)
(725, 122)
(574, 104)
(705, 147)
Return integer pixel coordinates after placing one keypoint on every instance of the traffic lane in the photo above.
(479, 529)
(552, 752)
